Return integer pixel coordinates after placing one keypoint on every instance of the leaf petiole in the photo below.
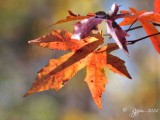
(134, 41)
(131, 26)
(155, 24)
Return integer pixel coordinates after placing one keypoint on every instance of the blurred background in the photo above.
(23, 20)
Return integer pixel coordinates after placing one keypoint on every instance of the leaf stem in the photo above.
(131, 26)
(131, 42)
(156, 24)
(134, 41)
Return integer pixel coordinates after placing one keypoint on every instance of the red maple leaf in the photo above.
(146, 19)
(156, 5)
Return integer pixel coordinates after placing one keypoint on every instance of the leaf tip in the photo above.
(24, 95)
(129, 76)
(100, 107)
(28, 93)
(98, 103)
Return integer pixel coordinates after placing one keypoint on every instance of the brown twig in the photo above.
(156, 24)
(134, 41)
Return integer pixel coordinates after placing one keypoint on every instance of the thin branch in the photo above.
(156, 24)
(123, 16)
(131, 26)
(134, 41)
(131, 42)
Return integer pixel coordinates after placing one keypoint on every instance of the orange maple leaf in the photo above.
(59, 40)
(84, 53)
(146, 19)
(57, 71)
(96, 63)
(156, 5)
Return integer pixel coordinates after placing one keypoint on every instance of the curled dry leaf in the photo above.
(84, 27)
(118, 34)
(113, 29)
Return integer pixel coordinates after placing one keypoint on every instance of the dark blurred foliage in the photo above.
(23, 20)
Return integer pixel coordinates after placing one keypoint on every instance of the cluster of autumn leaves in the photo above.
(87, 53)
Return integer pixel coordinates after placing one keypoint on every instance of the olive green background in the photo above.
(23, 20)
